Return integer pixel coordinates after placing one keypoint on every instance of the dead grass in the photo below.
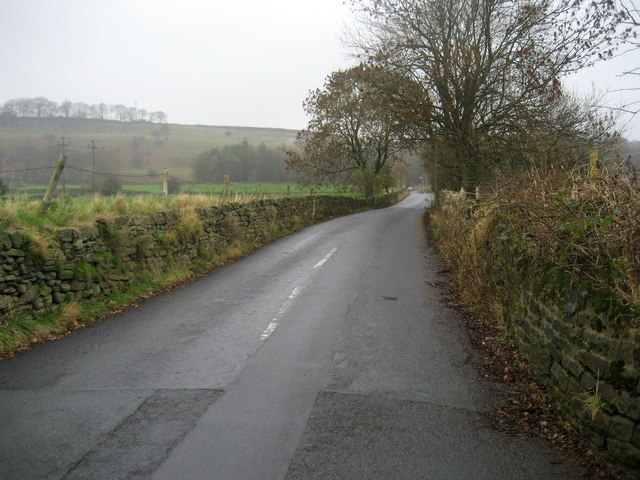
(36, 243)
(462, 236)
(560, 232)
(70, 315)
(541, 226)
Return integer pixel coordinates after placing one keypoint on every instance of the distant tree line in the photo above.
(242, 162)
(41, 107)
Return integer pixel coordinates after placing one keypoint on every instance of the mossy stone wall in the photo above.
(589, 362)
(91, 262)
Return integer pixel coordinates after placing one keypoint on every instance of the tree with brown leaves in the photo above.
(353, 138)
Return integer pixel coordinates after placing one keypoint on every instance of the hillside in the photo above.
(125, 147)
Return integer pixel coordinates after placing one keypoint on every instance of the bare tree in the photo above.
(488, 70)
(23, 107)
(43, 107)
(157, 117)
(93, 111)
(65, 108)
(121, 112)
(103, 111)
(80, 110)
(132, 114)
(10, 109)
(631, 22)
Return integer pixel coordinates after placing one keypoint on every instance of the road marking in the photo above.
(326, 257)
(276, 320)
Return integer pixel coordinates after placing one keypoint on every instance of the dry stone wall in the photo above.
(93, 261)
(589, 362)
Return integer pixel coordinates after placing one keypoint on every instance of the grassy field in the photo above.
(24, 211)
(156, 145)
(251, 189)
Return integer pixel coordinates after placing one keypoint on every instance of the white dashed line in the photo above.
(285, 306)
(326, 257)
(274, 323)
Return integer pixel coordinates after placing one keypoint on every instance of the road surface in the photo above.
(324, 355)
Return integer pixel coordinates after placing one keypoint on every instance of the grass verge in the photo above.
(22, 332)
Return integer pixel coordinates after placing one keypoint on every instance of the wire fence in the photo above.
(87, 182)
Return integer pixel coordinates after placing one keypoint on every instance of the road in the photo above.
(324, 355)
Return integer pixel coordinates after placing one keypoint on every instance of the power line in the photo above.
(28, 170)
(149, 175)
(84, 170)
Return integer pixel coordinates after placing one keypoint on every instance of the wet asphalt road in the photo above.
(324, 355)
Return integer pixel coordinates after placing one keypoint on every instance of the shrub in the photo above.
(109, 186)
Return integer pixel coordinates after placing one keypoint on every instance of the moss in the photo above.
(85, 272)
(617, 379)
(111, 235)
(624, 452)
(143, 245)
(596, 324)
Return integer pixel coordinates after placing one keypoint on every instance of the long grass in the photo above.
(70, 211)
(24, 211)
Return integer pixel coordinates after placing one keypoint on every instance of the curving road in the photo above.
(324, 355)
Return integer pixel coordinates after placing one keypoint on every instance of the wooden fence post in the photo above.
(165, 184)
(227, 187)
(53, 182)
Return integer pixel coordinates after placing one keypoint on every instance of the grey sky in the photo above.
(240, 62)
(607, 78)
(232, 62)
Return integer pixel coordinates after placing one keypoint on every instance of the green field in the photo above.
(25, 211)
(133, 148)
(265, 189)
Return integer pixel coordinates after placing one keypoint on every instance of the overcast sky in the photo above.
(213, 62)
(231, 62)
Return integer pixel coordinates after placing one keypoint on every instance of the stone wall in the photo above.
(512, 255)
(90, 262)
(589, 363)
